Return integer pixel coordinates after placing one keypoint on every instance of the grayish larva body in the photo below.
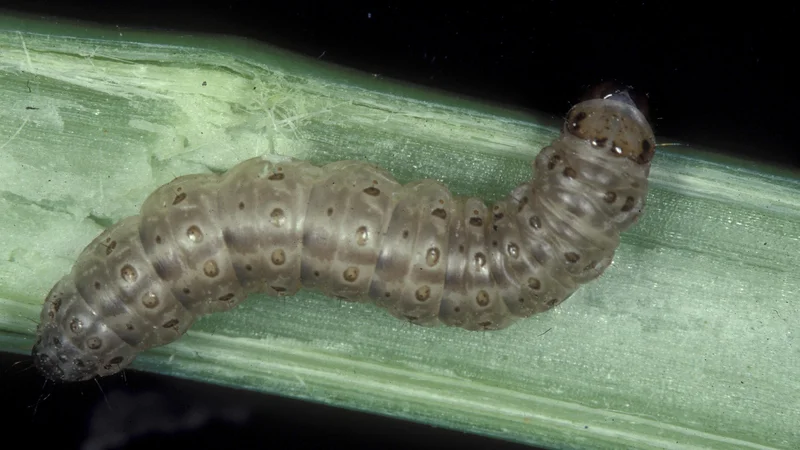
(203, 243)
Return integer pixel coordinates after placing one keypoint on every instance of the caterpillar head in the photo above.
(614, 122)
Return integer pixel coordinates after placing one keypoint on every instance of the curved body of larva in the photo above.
(203, 243)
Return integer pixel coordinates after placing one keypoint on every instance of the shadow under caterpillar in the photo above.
(203, 243)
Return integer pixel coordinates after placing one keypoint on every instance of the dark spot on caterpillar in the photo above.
(350, 274)
(648, 151)
(373, 191)
(440, 213)
(241, 205)
(128, 273)
(149, 300)
(534, 283)
(521, 300)
(110, 247)
(97, 285)
(194, 234)
(75, 325)
(387, 294)
(411, 318)
(129, 326)
(513, 250)
(485, 324)
(494, 243)
(276, 177)
(278, 288)
(56, 342)
(629, 202)
(569, 172)
(572, 257)
(553, 162)
(278, 217)
(432, 256)
(116, 360)
(248, 267)
(552, 302)
(535, 222)
(610, 197)
(475, 221)
(599, 142)
(179, 198)
(616, 150)
(170, 323)
(405, 234)
(186, 291)
(575, 122)
(423, 293)
(330, 212)
(482, 299)
(227, 297)
(461, 248)
(480, 259)
(362, 236)
(278, 257)
(210, 268)
(94, 343)
(158, 239)
(457, 309)
(316, 273)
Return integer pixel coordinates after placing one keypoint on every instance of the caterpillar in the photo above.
(203, 243)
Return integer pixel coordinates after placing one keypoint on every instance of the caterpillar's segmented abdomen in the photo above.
(203, 243)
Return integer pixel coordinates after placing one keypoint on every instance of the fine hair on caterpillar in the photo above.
(203, 243)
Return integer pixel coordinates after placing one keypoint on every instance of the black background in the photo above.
(715, 76)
